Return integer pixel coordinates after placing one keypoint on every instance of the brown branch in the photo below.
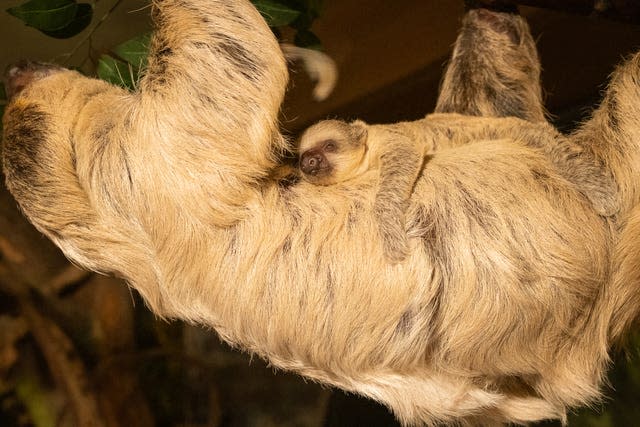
(68, 276)
(58, 351)
(10, 252)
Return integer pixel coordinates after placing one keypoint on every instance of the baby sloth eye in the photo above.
(330, 146)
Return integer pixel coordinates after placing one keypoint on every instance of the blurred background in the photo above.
(80, 349)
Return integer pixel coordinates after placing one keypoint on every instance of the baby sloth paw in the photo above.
(395, 247)
(604, 202)
(395, 243)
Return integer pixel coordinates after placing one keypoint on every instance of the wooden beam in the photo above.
(620, 10)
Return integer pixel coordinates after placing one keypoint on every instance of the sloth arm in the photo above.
(575, 162)
(490, 76)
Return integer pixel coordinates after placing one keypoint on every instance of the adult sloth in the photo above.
(502, 310)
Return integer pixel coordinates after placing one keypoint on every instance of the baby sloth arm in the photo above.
(333, 151)
(401, 161)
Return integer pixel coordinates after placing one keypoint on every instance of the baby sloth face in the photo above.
(332, 151)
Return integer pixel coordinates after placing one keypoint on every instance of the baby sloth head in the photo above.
(332, 151)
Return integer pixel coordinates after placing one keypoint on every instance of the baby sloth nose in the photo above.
(312, 162)
(20, 75)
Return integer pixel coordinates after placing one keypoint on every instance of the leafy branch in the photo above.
(123, 64)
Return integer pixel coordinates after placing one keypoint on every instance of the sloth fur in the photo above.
(513, 288)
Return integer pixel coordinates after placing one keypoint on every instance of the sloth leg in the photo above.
(494, 70)
(613, 133)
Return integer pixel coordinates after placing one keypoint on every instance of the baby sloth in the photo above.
(333, 151)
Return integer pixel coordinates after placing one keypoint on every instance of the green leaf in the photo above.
(135, 51)
(83, 17)
(308, 7)
(315, 7)
(126, 61)
(117, 72)
(276, 14)
(46, 15)
(305, 38)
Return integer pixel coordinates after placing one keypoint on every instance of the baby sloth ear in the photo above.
(359, 132)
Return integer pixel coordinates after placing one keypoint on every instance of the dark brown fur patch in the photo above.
(405, 323)
(475, 209)
(158, 61)
(434, 233)
(25, 132)
(611, 107)
(244, 62)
